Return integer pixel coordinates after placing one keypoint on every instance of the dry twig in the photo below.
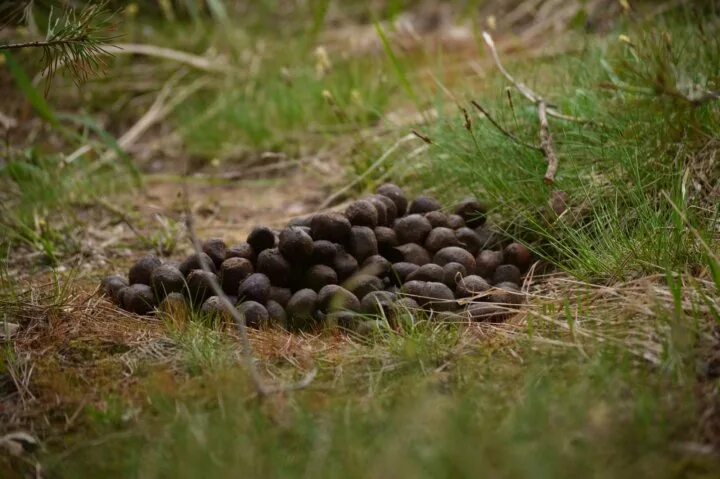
(503, 130)
(546, 144)
(545, 109)
(164, 103)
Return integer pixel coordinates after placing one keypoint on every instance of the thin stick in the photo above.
(546, 144)
(50, 43)
(523, 88)
(157, 111)
(261, 388)
(503, 130)
(195, 61)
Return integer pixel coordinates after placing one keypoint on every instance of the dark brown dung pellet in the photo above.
(166, 279)
(377, 303)
(193, 262)
(469, 240)
(174, 305)
(121, 296)
(486, 312)
(362, 284)
(280, 295)
(437, 219)
(380, 208)
(233, 271)
(295, 244)
(344, 264)
(141, 271)
(401, 270)
(507, 294)
(517, 254)
(320, 275)
(343, 319)
(111, 287)
(362, 243)
(440, 297)
(440, 238)
(199, 286)
(423, 204)
(261, 238)
(403, 306)
(412, 229)
(487, 261)
(415, 289)
(301, 308)
(396, 194)
(276, 313)
(216, 249)
(255, 314)
(386, 238)
(413, 253)
(390, 209)
(273, 265)
(214, 307)
(471, 285)
(330, 226)
(376, 265)
(241, 250)
(138, 298)
(255, 287)
(333, 298)
(452, 272)
(427, 272)
(454, 254)
(507, 273)
(472, 212)
(362, 213)
(323, 252)
(455, 222)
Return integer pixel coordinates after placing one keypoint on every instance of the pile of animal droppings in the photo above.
(382, 256)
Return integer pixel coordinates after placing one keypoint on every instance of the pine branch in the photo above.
(75, 40)
(39, 43)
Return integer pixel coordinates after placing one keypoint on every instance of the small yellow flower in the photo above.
(131, 10)
(491, 22)
(322, 62)
(355, 96)
(625, 39)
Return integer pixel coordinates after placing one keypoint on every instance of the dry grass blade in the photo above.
(167, 100)
(338, 194)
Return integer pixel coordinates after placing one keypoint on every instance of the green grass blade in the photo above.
(31, 93)
(109, 141)
(397, 65)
